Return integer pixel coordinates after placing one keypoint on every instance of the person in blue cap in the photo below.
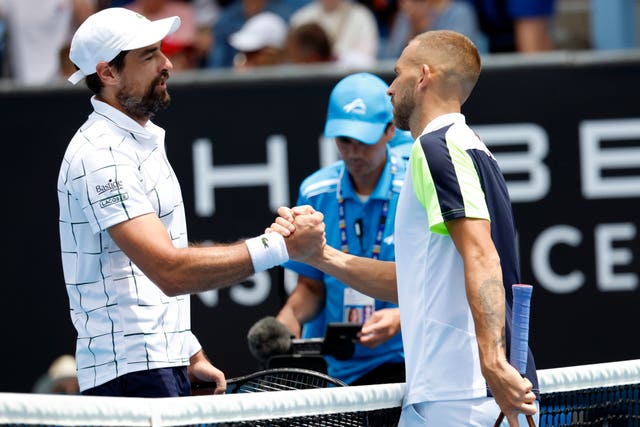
(358, 196)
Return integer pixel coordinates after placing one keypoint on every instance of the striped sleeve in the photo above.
(445, 179)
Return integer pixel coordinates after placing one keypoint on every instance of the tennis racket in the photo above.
(520, 336)
(276, 379)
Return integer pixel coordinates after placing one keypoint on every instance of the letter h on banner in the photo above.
(207, 177)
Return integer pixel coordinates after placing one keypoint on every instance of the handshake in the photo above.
(298, 234)
(303, 230)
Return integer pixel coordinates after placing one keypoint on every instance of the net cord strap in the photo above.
(23, 408)
(17, 408)
(589, 376)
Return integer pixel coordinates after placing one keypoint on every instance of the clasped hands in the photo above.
(303, 230)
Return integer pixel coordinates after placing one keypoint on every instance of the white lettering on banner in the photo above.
(252, 295)
(290, 280)
(209, 298)
(607, 257)
(595, 159)
(530, 144)
(530, 161)
(540, 259)
(274, 173)
(328, 150)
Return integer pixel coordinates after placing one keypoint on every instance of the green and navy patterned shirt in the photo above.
(451, 174)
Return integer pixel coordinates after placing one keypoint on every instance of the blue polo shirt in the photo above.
(320, 191)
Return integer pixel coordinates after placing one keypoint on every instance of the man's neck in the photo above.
(435, 110)
(364, 185)
(112, 101)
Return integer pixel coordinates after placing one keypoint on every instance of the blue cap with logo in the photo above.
(359, 108)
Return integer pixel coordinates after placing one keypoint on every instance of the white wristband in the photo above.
(267, 250)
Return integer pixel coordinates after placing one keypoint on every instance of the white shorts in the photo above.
(482, 412)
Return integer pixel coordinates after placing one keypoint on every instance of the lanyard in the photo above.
(375, 253)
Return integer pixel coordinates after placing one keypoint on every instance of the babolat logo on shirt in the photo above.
(114, 199)
(109, 186)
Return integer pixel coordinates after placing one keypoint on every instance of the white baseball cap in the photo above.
(105, 34)
(260, 31)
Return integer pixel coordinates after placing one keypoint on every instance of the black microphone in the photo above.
(268, 337)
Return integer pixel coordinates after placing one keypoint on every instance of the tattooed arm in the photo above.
(486, 296)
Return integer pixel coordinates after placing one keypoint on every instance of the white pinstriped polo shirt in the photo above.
(114, 170)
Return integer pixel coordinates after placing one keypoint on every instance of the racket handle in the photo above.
(520, 327)
(530, 421)
(499, 420)
(519, 336)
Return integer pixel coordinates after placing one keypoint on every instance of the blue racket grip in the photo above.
(520, 325)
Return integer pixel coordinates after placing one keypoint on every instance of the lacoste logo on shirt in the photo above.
(265, 242)
(118, 198)
(357, 106)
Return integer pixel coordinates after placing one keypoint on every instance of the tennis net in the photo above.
(605, 395)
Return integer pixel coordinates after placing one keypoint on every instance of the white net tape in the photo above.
(16, 408)
(589, 376)
(22, 408)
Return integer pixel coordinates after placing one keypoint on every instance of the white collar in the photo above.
(120, 119)
(442, 121)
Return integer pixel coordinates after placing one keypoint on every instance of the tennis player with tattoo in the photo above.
(456, 251)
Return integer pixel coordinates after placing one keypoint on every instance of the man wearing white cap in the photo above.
(358, 197)
(127, 263)
(260, 41)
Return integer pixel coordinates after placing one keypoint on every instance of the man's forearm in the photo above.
(487, 302)
(371, 277)
(304, 303)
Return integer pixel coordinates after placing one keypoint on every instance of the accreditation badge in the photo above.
(357, 307)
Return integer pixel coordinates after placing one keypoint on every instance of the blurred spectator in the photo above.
(308, 44)
(3, 45)
(232, 18)
(260, 41)
(516, 25)
(81, 11)
(207, 13)
(38, 31)
(417, 16)
(60, 377)
(181, 46)
(384, 12)
(351, 27)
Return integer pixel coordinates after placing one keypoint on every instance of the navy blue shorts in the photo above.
(161, 382)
